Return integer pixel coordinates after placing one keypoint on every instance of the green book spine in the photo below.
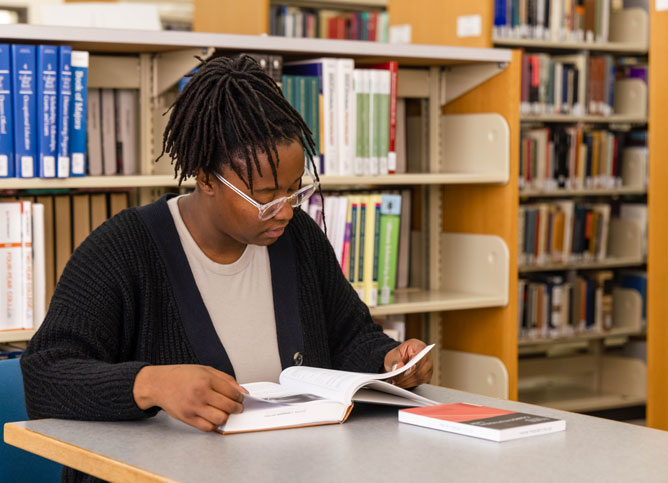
(383, 122)
(390, 217)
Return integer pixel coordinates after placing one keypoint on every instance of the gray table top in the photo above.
(373, 446)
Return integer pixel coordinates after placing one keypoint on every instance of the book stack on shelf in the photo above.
(554, 158)
(578, 84)
(576, 254)
(37, 236)
(42, 111)
(369, 233)
(325, 23)
(571, 21)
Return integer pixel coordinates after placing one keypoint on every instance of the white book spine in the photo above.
(26, 265)
(346, 97)
(108, 132)
(383, 121)
(331, 115)
(10, 266)
(38, 264)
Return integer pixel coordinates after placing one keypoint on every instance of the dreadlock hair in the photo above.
(228, 111)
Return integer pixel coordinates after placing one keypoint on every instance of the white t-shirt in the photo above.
(239, 299)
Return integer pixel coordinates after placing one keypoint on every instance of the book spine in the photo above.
(64, 110)
(25, 111)
(390, 214)
(358, 82)
(6, 115)
(10, 266)
(126, 118)
(370, 261)
(313, 90)
(79, 112)
(26, 266)
(347, 235)
(39, 265)
(354, 239)
(392, 154)
(374, 108)
(361, 245)
(94, 133)
(108, 127)
(47, 110)
(346, 93)
(382, 122)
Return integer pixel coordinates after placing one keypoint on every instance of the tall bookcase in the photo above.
(591, 381)
(465, 269)
(441, 23)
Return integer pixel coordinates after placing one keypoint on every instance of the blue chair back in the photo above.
(16, 465)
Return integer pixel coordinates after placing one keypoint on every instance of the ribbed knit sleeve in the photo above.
(350, 336)
(82, 362)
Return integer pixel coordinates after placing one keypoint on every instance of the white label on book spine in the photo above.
(661, 5)
(64, 166)
(77, 163)
(27, 166)
(4, 165)
(469, 26)
(49, 167)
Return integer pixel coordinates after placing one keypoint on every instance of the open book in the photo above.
(308, 396)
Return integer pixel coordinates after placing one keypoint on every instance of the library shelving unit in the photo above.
(594, 381)
(251, 17)
(469, 153)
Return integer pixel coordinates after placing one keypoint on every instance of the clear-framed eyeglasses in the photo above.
(269, 210)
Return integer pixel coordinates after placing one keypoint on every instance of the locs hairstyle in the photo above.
(228, 112)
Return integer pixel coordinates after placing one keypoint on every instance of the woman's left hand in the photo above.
(420, 373)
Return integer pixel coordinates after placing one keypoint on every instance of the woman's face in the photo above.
(237, 218)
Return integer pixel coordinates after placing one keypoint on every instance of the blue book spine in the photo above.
(6, 115)
(24, 87)
(47, 110)
(78, 117)
(64, 110)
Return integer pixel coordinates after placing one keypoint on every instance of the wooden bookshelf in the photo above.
(16, 335)
(583, 337)
(476, 263)
(657, 263)
(603, 47)
(568, 193)
(584, 265)
(564, 118)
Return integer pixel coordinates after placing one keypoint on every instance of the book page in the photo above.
(337, 385)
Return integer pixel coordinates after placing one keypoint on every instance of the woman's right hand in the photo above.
(200, 396)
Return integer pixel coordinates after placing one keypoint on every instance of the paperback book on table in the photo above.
(481, 421)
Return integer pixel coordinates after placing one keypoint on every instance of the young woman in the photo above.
(174, 304)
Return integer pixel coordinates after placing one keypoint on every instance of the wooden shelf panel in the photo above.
(420, 301)
(583, 192)
(148, 181)
(611, 47)
(577, 399)
(614, 119)
(138, 41)
(16, 335)
(609, 263)
(621, 332)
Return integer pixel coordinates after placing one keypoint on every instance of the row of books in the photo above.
(569, 231)
(370, 236)
(314, 23)
(554, 20)
(354, 115)
(37, 236)
(42, 111)
(576, 84)
(553, 305)
(112, 131)
(577, 157)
